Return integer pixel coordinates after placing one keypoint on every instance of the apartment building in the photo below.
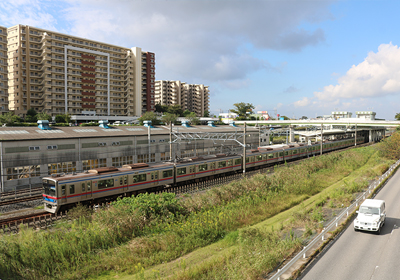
(3, 71)
(192, 97)
(62, 74)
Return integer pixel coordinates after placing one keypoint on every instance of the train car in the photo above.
(195, 169)
(107, 183)
(93, 186)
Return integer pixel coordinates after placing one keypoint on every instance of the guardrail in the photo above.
(335, 222)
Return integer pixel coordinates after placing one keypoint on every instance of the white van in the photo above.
(371, 215)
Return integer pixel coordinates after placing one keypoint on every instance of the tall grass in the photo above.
(151, 229)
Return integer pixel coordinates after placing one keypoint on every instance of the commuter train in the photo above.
(107, 183)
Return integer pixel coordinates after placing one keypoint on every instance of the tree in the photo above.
(168, 118)
(176, 110)
(390, 147)
(161, 108)
(149, 116)
(186, 113)
(193, 119)
(43, 116)
(9, 118)
(63, 118)
(397, 116)
(206, 114)
(242, 109)
(31, 116)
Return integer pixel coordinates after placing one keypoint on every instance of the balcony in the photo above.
(88, 56)
(88, 106)
(88, 93)
(88, 87)
(88, 62)
(87, 81)
(88, 69)
(88, 75)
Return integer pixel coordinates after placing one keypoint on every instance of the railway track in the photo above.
(20, 200)
(19, 193)
(36, 220)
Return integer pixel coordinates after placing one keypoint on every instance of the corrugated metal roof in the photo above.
(33, 133)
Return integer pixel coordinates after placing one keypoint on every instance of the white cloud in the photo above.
(205, 41)
(302, 103)
(27, 12)
(377, 75)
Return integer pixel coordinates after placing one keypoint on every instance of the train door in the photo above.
(229, 164)
(63, 193)
(83, 191)
(123, 183)
(154, 178)
(212, 167)
(192, 170)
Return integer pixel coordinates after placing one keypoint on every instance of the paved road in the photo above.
(363, 255)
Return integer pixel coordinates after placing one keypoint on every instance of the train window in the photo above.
(181, 171)
(294, 152)
(270, 156)
(167, 173)
(281, 154)
(191, 170)
(202, 167)
(247, 159)
(212, 165)
(238, 161)
(156, 175)
(63, 190)
(121, 180)
(259, 157)
(229, 162)
(49, 187)
(89, 184)
(71, 189)
(139, 178)
(286, 153)
(152, 176)
(103, 184)
(83, 187)
(221, 164)
(264, 156)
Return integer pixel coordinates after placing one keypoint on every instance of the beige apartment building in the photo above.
(3, 71)
(192, 97)
(62, 74)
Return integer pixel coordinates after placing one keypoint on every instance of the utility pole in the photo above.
(322, 132)
(355, 136)
(170, 141)
(244, 149)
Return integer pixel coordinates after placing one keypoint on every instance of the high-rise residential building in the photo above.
(61, 74)
(3, 71)
(192, 97)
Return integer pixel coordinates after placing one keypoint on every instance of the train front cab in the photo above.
(50, 195)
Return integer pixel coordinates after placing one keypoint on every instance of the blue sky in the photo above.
(298, 57)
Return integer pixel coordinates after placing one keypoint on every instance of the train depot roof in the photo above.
(35, 133)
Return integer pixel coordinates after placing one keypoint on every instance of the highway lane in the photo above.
(363, 255)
